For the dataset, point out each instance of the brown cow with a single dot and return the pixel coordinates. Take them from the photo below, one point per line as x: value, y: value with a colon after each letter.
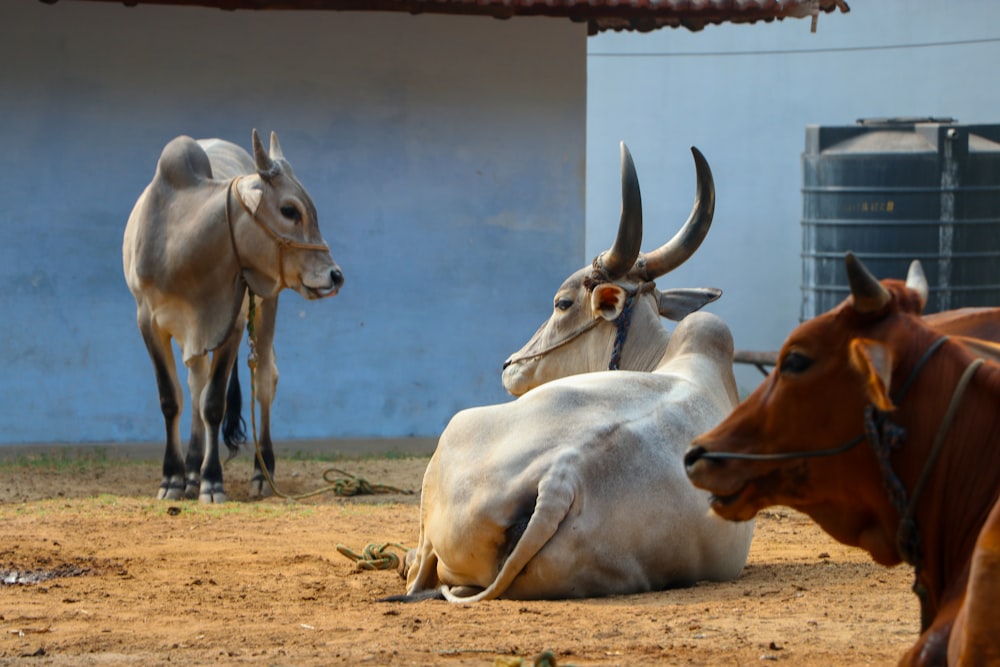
x: 924, y: 488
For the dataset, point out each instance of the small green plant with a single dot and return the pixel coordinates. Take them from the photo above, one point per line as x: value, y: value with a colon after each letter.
x: 68, y: 459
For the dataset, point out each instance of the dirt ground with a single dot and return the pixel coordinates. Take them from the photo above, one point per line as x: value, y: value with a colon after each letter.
x: 137, y: 581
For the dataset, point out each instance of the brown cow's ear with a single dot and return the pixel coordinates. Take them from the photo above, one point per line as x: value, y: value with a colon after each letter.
x: 607, y: 300
x: 874, y: 361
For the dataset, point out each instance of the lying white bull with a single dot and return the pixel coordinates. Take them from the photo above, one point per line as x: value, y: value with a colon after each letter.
x: 212, y: 222
x: 577, y: 488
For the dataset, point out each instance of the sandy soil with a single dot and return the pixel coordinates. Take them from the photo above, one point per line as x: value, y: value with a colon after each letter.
x: 142, y: 582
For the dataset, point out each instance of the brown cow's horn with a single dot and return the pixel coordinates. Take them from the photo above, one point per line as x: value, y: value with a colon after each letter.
x: 869, y: 294
x: 685, y: 242
x: 616, y: 261
x: 917, y: 281
x: 265, y: 165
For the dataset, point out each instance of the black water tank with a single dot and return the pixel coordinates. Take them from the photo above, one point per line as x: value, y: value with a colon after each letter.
x: 894, y: 190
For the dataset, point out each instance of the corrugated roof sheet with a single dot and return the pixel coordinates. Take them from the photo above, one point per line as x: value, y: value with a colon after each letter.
x: 600, y: 15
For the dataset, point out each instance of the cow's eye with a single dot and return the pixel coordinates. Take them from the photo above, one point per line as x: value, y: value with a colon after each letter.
x: 291, y: 213
x: 795, y: 362
x: 564, y: 304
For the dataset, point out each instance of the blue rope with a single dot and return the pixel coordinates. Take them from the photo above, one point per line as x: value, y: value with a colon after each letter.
x: 623, y: 321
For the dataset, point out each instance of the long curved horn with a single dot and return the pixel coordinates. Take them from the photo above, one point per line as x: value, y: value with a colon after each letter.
x: 616, y: 261
x: 869, y: 294
x: 686, y: 241
x: 917, y: 281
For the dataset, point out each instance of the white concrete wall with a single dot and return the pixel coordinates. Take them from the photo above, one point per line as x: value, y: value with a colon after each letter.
x: 445, y: 156
x: 744, y: 95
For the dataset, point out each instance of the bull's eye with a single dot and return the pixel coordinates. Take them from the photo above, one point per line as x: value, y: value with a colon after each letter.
x: 795, y: 362
x: 291, y: 213
x: 564, y: 304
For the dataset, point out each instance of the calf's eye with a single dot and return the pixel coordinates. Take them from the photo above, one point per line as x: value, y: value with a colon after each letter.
x: 291, y: 213
x: 564, y: 304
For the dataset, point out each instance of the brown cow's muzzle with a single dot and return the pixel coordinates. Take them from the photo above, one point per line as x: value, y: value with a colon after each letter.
x: 729, y: 486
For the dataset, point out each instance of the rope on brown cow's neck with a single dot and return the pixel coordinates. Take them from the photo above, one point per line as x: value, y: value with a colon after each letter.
x: 907, y: 534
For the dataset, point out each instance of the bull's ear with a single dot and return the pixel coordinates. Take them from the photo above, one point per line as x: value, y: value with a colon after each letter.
x: 676, y: 304
x: 250, y: 191
x: 607, y: 300
x: 874, y: 361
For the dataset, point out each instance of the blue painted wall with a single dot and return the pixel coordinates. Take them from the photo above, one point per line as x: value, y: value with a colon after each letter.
x: 744, y: 95
x: 445, y: 156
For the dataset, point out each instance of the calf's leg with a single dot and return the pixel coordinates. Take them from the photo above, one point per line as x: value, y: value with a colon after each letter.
x: 212, y: 405
x: 171, y: 403
x: 265, y: 386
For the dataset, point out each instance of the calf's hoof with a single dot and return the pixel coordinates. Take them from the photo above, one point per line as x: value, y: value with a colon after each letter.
x: 171, y: 488
x: 212, y: 493
x: 259, y: 488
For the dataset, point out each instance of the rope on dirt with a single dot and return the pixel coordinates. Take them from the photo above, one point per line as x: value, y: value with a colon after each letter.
x: 374, y: 556
x: 357, y: 486
x: 350, y: 486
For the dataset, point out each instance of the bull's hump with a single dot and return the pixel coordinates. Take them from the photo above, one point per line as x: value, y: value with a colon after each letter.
x: 183, y: 163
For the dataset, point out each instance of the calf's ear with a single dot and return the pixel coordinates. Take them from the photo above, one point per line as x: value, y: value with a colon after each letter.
x: 607, y: 300
x: 676, y: 304
x: 250, y: 191
x: 874, y: 361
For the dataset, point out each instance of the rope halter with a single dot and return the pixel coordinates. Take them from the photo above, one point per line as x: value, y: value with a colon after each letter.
x: 622, y: 323
x: 279, y: 239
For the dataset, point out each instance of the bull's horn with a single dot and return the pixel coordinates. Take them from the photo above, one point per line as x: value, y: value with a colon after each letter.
x: 265, y: 165
x: 276, y: 153
x: 685, y: 242
x: 616, y: 261
x: 917, y: 281
x: 869, y: 294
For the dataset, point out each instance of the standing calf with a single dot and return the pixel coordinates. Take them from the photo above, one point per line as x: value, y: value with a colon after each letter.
x: 212, y: 223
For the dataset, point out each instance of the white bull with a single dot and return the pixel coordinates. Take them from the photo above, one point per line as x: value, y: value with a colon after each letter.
x: 212, y: 222
x: 577, y: 488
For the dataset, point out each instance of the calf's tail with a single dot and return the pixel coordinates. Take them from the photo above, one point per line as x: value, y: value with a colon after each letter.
x: 556, y: 492
x: 233, y: 427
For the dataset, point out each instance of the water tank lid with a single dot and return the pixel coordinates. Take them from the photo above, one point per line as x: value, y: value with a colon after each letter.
x: 883, y: 142
x: 905, y: 120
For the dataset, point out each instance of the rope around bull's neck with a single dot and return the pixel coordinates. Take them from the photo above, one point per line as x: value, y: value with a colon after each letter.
x: 622, y: 323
